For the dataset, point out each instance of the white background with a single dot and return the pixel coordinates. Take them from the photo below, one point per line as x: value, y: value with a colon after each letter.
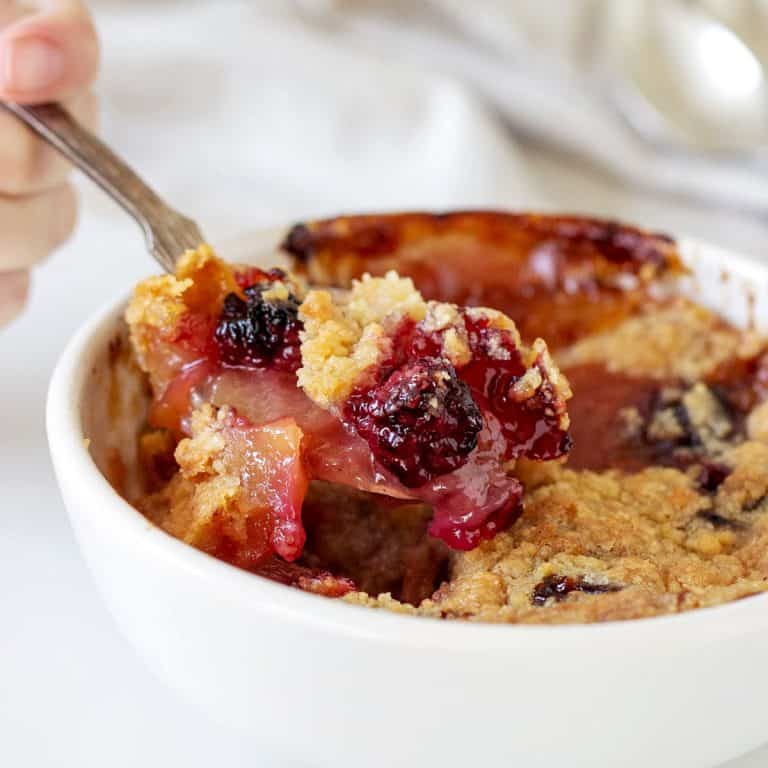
x: 231, y: 115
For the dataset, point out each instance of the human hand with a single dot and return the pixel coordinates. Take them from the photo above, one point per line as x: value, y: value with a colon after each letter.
x: 48, y: 52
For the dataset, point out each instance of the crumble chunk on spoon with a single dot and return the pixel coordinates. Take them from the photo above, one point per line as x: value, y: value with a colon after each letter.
x: 268, y: 386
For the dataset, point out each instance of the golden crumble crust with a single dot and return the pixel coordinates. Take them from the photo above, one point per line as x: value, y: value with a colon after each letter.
x: 652, y: 540
x: 212, y: 278
x: 447, y: 318
x: 200, y: 284
x: 204, y: 487
x: 335, y: 351
x: 160, y: 300
x: 682, y: 340
x: 157, y: 303
x: 346, y: 335
x: 757, y: 423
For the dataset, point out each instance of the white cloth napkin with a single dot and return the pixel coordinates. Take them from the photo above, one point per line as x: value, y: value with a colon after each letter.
x: 242, y: 115
x: 246, y: 113
x: 531, y: 62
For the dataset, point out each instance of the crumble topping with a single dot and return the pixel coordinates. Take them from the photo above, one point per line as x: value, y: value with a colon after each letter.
x: 757, y: 423
x: 376, y: 299
x: 278, y: 291
x: 445, y: 319
x: 661, y: 509
x: 630, y: 545
x: 347, y: 335
x: 681, y: 340
x: 335, y: 350
x: 204, y: 487
x: 494, y: 319
x: 157, y: 302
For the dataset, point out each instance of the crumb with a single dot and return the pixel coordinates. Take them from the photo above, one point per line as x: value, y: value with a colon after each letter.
x: 683, y: 340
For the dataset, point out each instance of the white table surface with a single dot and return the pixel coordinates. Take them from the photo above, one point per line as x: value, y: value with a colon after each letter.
x: 72, y: 692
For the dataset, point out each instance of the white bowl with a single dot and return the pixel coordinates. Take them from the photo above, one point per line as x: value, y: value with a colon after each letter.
x: 326, y: 683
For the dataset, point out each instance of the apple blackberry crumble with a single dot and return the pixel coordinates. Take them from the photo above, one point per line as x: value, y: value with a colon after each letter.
x: 383, y: 421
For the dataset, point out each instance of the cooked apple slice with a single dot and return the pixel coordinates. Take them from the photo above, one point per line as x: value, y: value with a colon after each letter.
x: 249, y: 485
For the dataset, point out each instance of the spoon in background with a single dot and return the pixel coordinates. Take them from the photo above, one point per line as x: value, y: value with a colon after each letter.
x: 684, y: 79
x: 168, y: 234
x: 670, y: 70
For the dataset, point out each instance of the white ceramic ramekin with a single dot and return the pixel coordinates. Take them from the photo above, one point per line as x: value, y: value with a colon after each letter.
x: 330, y: 684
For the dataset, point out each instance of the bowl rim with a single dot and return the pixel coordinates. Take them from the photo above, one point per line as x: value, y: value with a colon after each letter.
x: 72, y: 459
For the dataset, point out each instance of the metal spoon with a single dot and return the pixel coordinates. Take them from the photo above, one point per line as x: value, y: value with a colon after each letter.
x: 167, y: 233
x: 684, y: 79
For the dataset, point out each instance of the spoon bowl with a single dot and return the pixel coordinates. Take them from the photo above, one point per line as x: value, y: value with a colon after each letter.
x: 693, y: 81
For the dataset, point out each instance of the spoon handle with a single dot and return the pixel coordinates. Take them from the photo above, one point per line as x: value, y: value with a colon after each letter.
x: 167, y: 233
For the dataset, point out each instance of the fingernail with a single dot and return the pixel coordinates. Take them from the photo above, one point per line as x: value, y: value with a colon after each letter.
x: 31, y: 64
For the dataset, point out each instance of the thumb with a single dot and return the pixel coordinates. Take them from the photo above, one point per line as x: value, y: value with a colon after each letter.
x: 48, y: 56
